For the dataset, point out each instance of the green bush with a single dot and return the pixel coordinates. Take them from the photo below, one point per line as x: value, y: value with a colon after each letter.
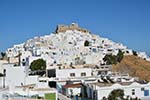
x: 134, y: 53
x: 112, y: 59
x: 120, y: 56
x: 86, y: 43
x: 117, y: 94
x: 38, y: 64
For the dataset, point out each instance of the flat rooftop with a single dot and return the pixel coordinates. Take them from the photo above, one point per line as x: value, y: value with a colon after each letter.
x: 103, y: 84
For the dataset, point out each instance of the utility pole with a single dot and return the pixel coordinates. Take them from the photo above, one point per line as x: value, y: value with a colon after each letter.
x: 95, y: 92
x: 4, y: 72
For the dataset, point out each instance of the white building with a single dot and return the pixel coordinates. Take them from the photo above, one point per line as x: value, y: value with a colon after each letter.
x: 142, y: 55
x: 69, y: 73
x: 18, y: 81
x: 97, y: 90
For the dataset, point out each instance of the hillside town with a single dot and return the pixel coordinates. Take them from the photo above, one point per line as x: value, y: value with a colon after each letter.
x: 76, y: 68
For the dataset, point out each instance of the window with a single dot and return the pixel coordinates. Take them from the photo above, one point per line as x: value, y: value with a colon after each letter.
x: 94, y: 50
x: 133, y: 91
x: 83, y: 74
x: 54, y: 53
x: 54, y: 62
x: 70, y: 42
x: 106, y: 67
x: 72, y: 74
x: 146, y: 92
x: 23, y: 60
x: 142, y: 89
x: 43, y: 81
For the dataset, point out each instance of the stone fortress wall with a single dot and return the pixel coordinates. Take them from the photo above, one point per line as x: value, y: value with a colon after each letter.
x: 73, y: 26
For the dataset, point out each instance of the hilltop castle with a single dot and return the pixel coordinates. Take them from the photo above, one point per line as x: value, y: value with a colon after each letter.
x: 73, y: 26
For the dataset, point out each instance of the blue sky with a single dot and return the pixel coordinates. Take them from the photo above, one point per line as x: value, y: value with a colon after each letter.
x: 125, y: 21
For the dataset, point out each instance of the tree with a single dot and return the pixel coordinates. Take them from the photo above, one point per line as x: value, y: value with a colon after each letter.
x: 134, y: 53
x: 3, y: 54
x: 120, y: 56
x: 86, y: 43
x: 117, y: 94
x: 104, y: 98
x: 110, y: 59
x: 103, y: 41
x: 38, y: 64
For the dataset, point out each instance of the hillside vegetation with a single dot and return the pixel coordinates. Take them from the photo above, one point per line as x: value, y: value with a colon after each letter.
x: 135, y: 66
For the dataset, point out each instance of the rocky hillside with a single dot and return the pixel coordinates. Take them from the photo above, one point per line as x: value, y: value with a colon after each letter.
x: 135, y: 66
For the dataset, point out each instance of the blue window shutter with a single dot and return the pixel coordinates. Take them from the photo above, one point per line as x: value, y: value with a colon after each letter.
x: 146, y: 92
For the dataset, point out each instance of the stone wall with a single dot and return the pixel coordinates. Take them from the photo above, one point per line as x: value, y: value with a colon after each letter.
x: 73, y: 26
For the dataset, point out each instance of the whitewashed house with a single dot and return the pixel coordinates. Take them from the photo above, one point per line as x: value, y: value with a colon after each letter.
x: 142, y: 55
x: 18, y: 81
x: 68, y: 73
x: 67, y: 81
x: 98, y: 90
